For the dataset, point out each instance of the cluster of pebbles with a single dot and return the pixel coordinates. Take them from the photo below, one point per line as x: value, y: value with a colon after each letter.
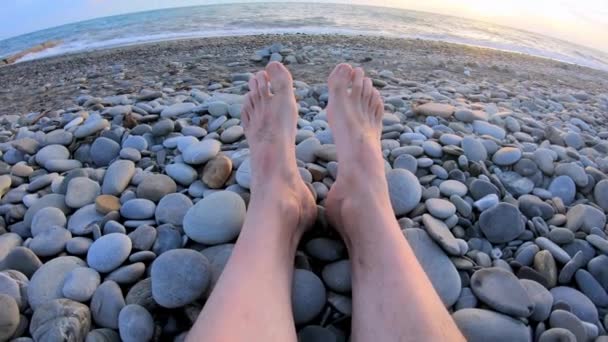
x: 119, y: 213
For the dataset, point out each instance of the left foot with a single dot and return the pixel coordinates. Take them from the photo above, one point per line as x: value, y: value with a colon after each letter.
x: 270, y: 120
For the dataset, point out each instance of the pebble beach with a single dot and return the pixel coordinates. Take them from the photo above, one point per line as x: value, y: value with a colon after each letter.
x: 124, y: 182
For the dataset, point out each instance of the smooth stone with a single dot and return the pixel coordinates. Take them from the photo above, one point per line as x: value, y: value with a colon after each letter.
x: 50, y: 200
x: 585, y: 217
x: 544, y: 264
x: 243, y: 173
x: 9, y: 317
x: 557, y: 252
x: 516, y: 184
x: 436, y: 264
x: 570, y: 268
x: 21, y: 259
x: 155, y: 186
x: 561, y: 236
x: 109, y: 252
x: 325, y: 249
x: 46, y: 218
x: 201, y: 152
x: 106, y: 303
x: 60, y: 320
x: 181, y: 173
x: 232, y: 134
x: 80, y: 222
x: 485, y: 128
x: 540, y: 297
x: 177, y: 110
x: 136, y: 142
x: 217, y: 108
x: 215, y: 219
x: 50, y: 242
x: 103, y: 151
x: 305, y: 151
x: 407, y: 162
x: 574, y: 171
x: 567, y: 320
x: 501, y: 223
x: 141, y: 294
x: 168, y: 238
x: 557, y: 335
x: 105, y: 204
x: 404, y: 190
x: 81, y: 191
x: 598, y: 267
x: 143, y: 237
x: 600, y: 193
x: 506, y: 156
x: 478, y: 325
x: 80, y: 284
x: 217, y: 171
x: 337, y: 276
x: 441, y: 234
x: 102, y: 335
x: 435, y: 109
x: 179, y: 277
x: 544, y: 159
x: 440, y: 208
x: 591, y: 288
x: 308, y: 296
x: 453, y: 187
x: 138, y: 209
x: 315, y: 333
x: 502, y: 291
x: 117, y: 177
x: 47, y: 282
x: 172, y: 209
x: 474, y: 149
x: 51, y: 152
x: 127, y: 274
x: 564, y: 188
x: 532, y: 206
x: 163, y: 127
x: 218, y: 258
x: 580, y: 304
x: 78, y: 245
x: 135, y: 324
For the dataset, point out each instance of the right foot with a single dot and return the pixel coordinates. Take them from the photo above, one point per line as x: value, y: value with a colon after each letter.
x: 355, y: 118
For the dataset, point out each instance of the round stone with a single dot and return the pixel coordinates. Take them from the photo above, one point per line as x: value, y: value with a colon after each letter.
x: 506, y: 156
x: 80, y: 223
x: 117, y: 177
x: 404, y: 191
x: 453, y: 187
x: 81, y: 191
x: 155, y: 186
x: 308, y: 296
x: 108, y: 252
x: 80, y: 284
x: 601, y: 194
x: 60, y: 320
x: 47, y: 282
x: 585, y: 217
x: 179, y: 277
x: 557, y: 334
x: 51, y: 152
x: 217, y: 171
x: 479, y: 325
x: 107, y: 203
x: 337, y: 276
x: 103, y: 151
x: 50, y: 200
x: 201, y: 152
x: 46, y: 218
x: 106, y: 304
x: 218, y: 108
x: 315, y: 333
x: 181, y: 173
x: 564, y: 188
x: 501, y: 223
x: 135, y: 324
x: 502, y: 291
x: 135, y: 141
x: 138, y: 209
x: 215, y: 219
x: 78, y: 245
x: 441, y: 271
x: 172, y: 209
x: 163, y: 127
x: 580, y: 304
x: 440, y: 208
x: 22, y: 259
x: 9, y: 317
x: 50, y: 242
x: 232, y: 134
x: 325, y: 249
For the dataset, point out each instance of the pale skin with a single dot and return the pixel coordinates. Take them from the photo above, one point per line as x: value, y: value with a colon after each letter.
x: 393, y: 299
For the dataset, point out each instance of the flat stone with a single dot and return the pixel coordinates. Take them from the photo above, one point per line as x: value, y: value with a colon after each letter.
x: 179, y: 277
x: 215, y: 219
x: 580, y: 304
x: 479, y: 325
x: 502, y: 291
x: 232, y: 134
x: 435, y: 109
x: 135, y: 324
x: 155, y: 186
x: 558, y: 253
x: 474, y: 149
x: 540, y: 297
x: 177, y: 110
x: 501, y: 223
x: 585, y: 217
x: 453, y: 187
x: 60, y: 320
x: 172, y: 209
x: 102, y: 335
x: 103, y: 151
x: 201, y: 152
x: 404, y: 191
x: 308, y: 296
x: 436, y: 264
x: 544, y: 263
x: 506, y: 156
x: 106, y: 304
x: 440, y: 208
x: 80, y: 222
x: 485, y: 128
x: 108, y: 252
x: 325, y: 249
x: 441, y: 234
x: 47, y: 282
x: 127, y: 274
x: 138, y: 209
x: 564, y: 188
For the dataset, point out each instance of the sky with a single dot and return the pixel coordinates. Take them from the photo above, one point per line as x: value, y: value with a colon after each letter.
x: 580, y: 21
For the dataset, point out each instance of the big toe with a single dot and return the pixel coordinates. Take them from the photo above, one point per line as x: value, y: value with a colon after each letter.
x: 340, y: 78
x: 280, y: 78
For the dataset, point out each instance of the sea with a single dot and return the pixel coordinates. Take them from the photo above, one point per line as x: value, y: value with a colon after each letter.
x: 308, y: 18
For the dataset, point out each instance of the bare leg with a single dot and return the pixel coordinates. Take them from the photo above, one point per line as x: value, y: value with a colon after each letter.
x: 393, y: 300
x: 252, y: 299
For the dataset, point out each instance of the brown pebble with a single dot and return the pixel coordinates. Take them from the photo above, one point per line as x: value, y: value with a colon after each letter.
x: 217, y: 171
x: 107, y: 203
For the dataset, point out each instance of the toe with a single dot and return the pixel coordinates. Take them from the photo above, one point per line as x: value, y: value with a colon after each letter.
x: 254, y: 91
x: 340, y: 79
x: 247, y: 110
x: 280, y: 78
x: 368, y: 91
x: 378, y: 106
x: 262, y: 80
x: 358, y: 76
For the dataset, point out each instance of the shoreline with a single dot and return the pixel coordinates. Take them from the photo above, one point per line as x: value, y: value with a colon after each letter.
x: 53, y: 78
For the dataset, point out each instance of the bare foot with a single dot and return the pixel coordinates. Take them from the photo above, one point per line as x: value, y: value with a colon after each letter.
x: 355, y: 117
x: 269, y: 119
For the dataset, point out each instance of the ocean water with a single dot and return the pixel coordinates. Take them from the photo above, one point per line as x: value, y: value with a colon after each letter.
x: 262, y: 18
